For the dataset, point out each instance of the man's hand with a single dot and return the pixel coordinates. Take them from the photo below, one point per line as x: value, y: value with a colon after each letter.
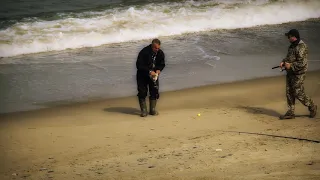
x: 287, y: 65
x: 281, y: 64
x: 152, y: 73
x: 158, y: 72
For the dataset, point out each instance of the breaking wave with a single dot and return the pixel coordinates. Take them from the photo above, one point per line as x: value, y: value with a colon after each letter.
x: 131, y: 23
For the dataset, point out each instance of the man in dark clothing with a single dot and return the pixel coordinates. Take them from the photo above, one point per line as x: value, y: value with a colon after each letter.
x: 150, y: 62
x: 296, y: 65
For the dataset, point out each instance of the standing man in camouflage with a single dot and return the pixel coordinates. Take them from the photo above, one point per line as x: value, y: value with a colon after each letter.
x: 296, y: 65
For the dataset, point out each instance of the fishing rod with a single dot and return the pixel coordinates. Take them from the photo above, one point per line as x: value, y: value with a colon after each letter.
x: 275, y: 67
x: 278, y: 67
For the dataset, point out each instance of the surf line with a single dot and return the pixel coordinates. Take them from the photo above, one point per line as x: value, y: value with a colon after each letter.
x: 271, y: 135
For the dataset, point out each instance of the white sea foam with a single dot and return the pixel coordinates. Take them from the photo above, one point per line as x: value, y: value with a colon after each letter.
x: 149, y: 21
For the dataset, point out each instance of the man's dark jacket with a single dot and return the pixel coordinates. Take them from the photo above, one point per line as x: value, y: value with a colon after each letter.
x: 144, y: 60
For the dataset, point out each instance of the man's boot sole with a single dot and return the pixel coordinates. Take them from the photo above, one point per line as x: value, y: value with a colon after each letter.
x: 286, y: 117
x: 143, y: 115
x: 154, y: 114
x: 315, y: 112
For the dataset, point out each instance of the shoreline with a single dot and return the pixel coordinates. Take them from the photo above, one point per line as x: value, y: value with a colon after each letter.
x: 93, y: 101
x: 109, y: 140
x: 41, y: 81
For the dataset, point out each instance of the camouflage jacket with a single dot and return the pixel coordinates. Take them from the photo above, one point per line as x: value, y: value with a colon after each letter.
x: 297, y: 57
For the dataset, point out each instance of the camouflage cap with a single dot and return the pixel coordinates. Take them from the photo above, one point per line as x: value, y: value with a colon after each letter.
x: 293, y: 32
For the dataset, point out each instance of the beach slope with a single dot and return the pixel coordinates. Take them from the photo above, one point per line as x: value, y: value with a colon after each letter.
x: 108, y: 140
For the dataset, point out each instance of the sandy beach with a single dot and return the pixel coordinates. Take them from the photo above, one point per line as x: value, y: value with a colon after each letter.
x: 69, y: 108
x: 108, y: 140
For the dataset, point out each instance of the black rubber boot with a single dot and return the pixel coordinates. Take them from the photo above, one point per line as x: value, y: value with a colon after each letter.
x: 313, y: 111
x: 143, y: 107
x: 153, y: 104
x: 288, y: 115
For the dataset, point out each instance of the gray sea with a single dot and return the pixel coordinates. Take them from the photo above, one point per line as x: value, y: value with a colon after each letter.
x: 56, y: 52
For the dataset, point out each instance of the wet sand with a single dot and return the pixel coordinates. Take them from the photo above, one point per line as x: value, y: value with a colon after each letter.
x: 107, y: 139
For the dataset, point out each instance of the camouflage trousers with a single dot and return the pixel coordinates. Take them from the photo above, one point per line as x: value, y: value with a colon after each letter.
x: 295, y: 90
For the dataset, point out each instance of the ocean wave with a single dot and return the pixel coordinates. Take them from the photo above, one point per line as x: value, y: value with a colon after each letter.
x: 89, y: 29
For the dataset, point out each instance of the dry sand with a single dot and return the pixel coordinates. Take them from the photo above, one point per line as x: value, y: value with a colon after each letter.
x: 108, y: 139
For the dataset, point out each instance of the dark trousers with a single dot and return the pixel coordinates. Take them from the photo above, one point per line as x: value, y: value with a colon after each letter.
x: 144, y: 82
